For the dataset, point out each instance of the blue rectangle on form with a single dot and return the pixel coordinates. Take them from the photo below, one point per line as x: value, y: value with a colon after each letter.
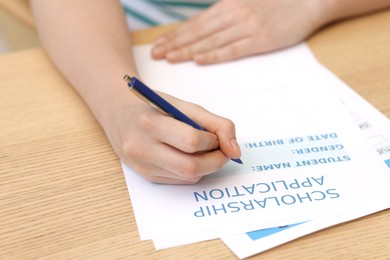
x: 254, y: 235
x: 387, y: 162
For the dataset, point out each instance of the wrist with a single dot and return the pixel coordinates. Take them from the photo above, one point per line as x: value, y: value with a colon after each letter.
x: 334, y: 10
x: 107, y: 96
x: 322, y: 12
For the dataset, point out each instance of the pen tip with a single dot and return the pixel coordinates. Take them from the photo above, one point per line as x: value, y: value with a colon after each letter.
x: 238, y: 161
x: 127, y: 78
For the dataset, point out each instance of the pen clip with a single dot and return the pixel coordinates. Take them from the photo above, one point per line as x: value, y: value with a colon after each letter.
x: 130, y: 84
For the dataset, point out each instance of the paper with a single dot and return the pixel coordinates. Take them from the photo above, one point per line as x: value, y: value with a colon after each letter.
x: 303, y: 156
x: 375, y: 127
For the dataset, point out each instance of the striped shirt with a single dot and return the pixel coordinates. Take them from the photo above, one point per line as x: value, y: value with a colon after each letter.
x: 141, y: 14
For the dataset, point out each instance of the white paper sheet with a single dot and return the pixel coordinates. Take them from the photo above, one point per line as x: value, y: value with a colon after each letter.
x: 375, y: 127
x: 303, y: 156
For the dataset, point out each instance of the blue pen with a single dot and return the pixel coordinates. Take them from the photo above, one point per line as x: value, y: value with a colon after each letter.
x: 156, y: 101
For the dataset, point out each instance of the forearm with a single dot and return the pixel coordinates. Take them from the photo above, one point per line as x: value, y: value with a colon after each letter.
x: 90, y: 44
x: 340, y: 9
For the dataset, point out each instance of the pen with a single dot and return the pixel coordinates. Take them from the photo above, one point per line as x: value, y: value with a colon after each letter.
x: 156, y: 101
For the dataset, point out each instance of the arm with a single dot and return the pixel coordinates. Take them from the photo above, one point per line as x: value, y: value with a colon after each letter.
x: 233, y: 29
x: 90, y: 44
x: 336, y: 10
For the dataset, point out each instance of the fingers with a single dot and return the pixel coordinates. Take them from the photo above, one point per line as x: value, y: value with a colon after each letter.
x: 185, y: 35
x: 165, y: 164
x: 182, y: 136
x: 225, y: 38
x: 190, y: 166
x: 229, y: 52
x: 223, y: 128
x: 221, y: 43
x: 220, y: 134
x: 208, y: 23
x: 156, y: 174
x: 164, y: 150
x: 233, y: 29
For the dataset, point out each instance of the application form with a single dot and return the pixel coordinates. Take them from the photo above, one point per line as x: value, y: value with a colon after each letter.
x: 304, y: 158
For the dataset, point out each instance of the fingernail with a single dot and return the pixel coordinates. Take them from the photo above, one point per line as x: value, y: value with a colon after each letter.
x: 158, y: 51
x: 236, y: 147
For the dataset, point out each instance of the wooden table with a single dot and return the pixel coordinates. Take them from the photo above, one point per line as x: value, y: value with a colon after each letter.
x: 20, y: 9
x: 62, y: 190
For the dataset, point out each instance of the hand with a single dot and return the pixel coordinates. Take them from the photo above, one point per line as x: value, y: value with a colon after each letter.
x: 233, y: 29
x: 165, y: 150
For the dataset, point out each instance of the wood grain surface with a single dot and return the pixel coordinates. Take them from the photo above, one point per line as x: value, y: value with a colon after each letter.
x: 62, y: 190
x: 20, y: 9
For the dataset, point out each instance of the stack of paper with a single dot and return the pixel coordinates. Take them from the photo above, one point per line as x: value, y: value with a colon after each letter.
x: 306, y: 166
